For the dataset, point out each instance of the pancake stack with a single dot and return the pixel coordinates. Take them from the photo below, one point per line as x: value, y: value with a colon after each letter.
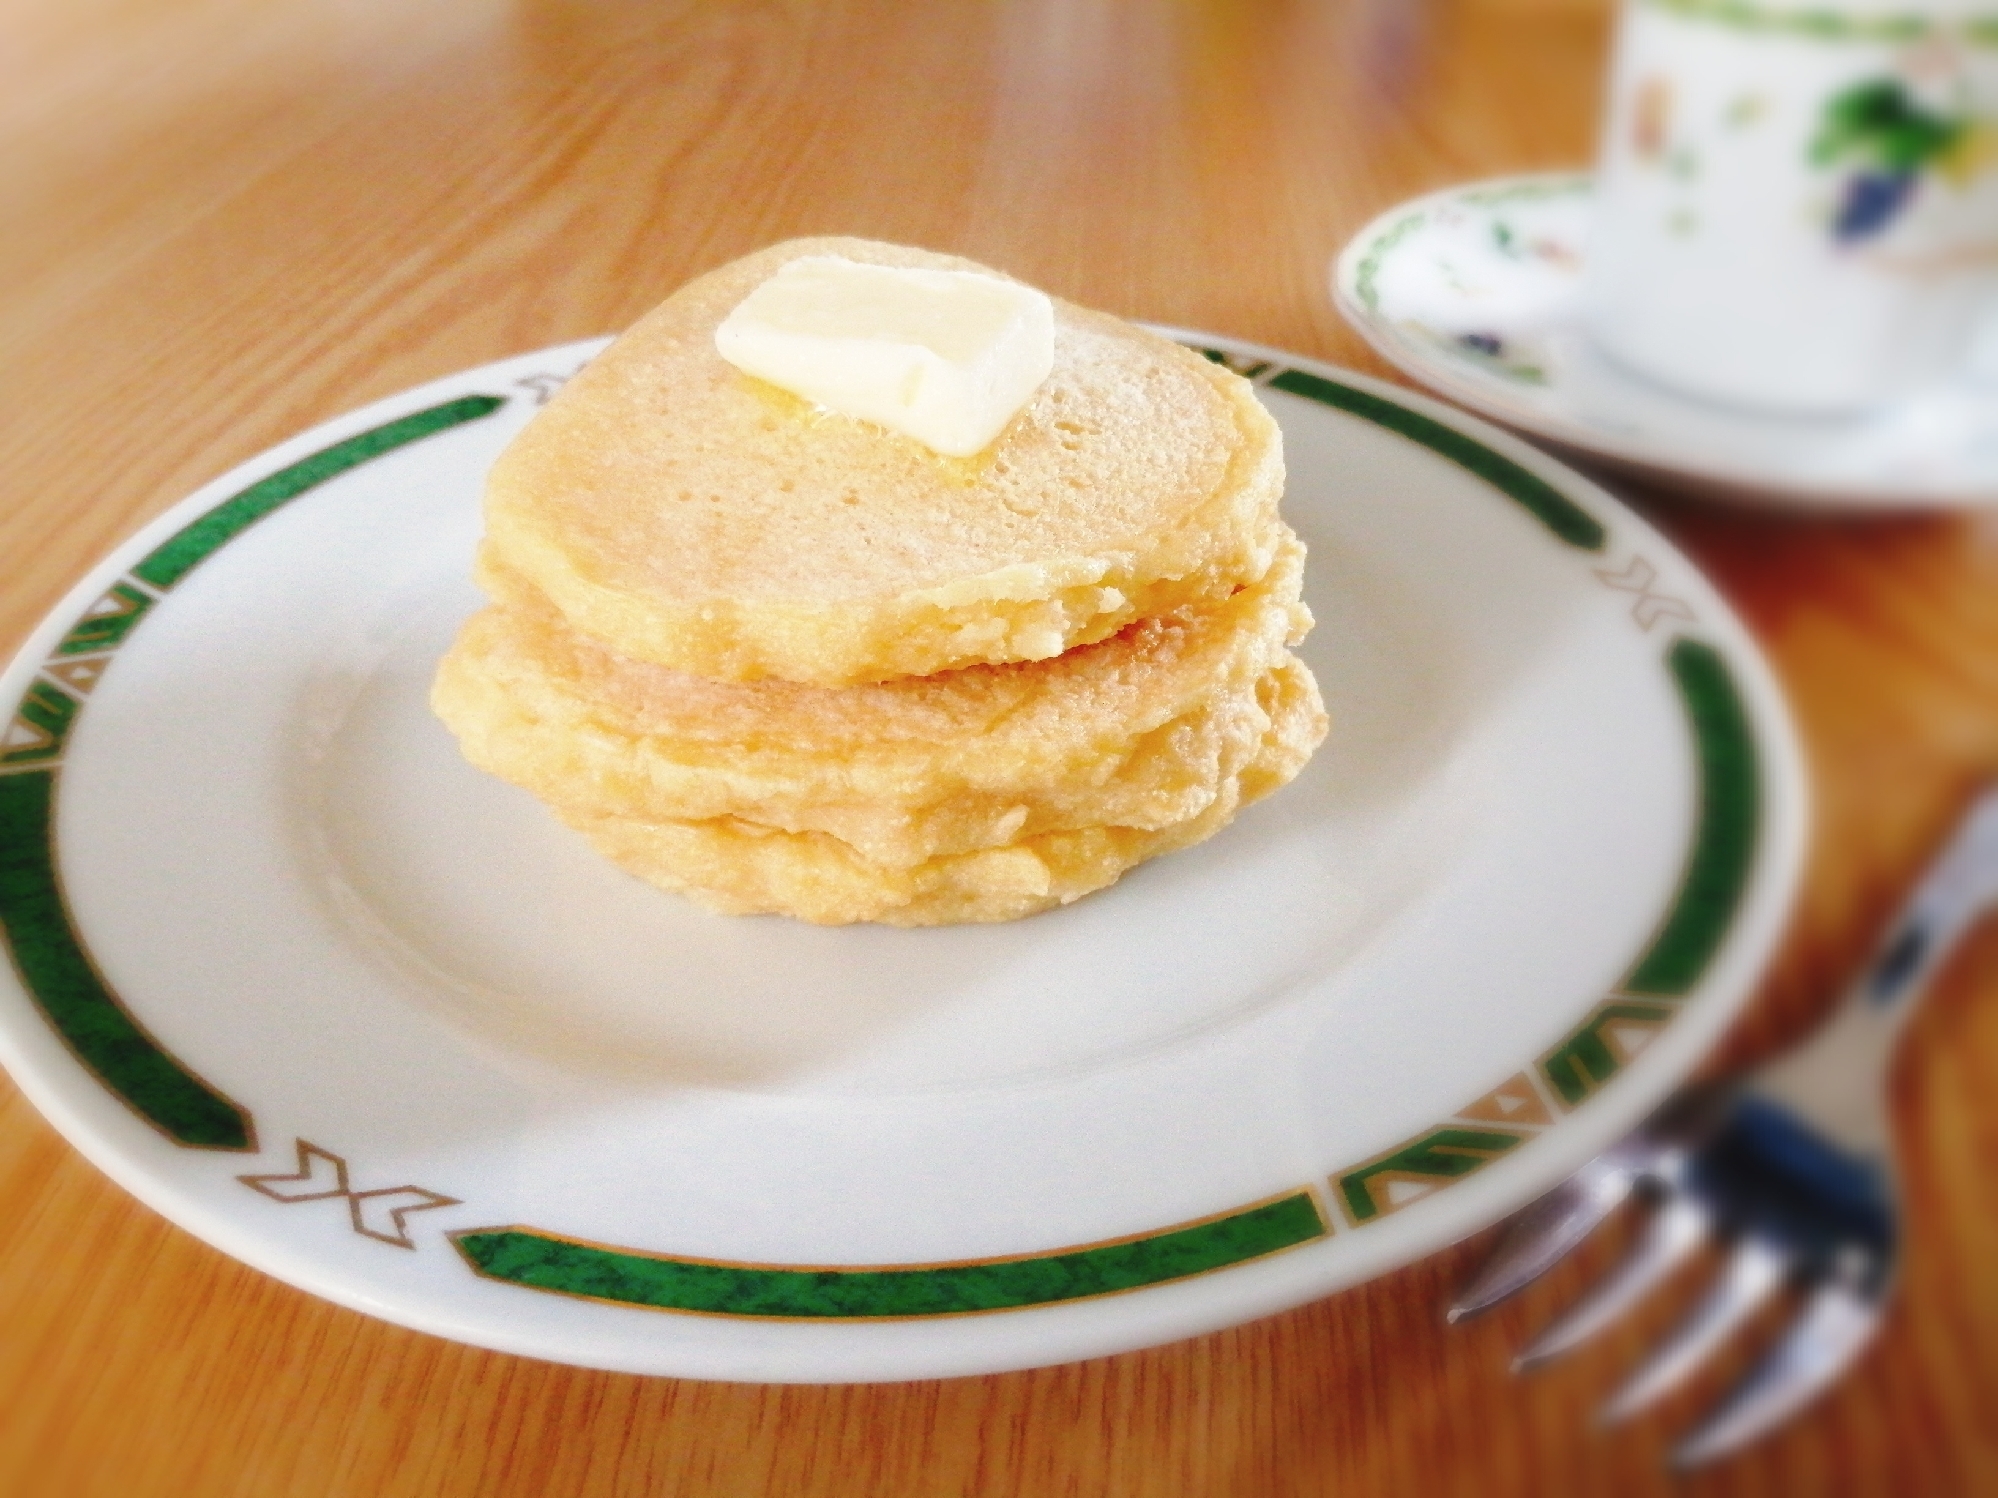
x: 784, y: 661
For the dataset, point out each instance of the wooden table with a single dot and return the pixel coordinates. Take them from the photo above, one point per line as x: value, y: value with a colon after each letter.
x: 222, y: 220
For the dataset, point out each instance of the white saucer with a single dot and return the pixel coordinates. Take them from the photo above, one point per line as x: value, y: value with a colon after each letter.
x: 1475, y: 291
x: 298, y: 977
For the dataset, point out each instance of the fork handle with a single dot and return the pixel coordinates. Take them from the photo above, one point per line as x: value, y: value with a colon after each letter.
x: 1837, y: 1075
x: 1959, y: 887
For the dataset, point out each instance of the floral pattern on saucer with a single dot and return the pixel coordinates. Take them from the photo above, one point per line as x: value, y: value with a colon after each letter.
x: 1440, y: 266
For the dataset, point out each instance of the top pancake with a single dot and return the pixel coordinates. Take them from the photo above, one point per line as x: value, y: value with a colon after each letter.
x: 688, y: 514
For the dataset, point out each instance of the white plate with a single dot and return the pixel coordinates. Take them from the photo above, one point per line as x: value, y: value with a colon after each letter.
x: 1476, y: 292
x: 373, y: 1022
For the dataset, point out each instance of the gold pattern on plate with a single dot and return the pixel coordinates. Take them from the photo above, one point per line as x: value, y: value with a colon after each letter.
x: 322, y: 1176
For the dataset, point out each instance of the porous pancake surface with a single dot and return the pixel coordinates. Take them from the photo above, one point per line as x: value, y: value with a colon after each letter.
x: 1139, y: 731
x: 742, y: 868
x: 688, y: 514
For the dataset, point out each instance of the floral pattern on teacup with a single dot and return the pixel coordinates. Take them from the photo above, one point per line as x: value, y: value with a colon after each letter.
x: 1908, y: 142
x: 1886, y: 138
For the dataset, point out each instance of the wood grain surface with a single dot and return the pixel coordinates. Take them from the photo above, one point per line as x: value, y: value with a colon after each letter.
x: 224, y: 220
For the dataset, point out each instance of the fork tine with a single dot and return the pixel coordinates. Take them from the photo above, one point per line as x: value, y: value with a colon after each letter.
x: 1754, y: 1272
x: 1544, y: 1233
x: 1677, y: 1228
x: 1836, y: 1324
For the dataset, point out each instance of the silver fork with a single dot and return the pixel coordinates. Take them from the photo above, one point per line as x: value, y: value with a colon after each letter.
x: 1790, y: 1164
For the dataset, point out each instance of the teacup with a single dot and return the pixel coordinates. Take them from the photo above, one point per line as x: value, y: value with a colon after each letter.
x: 1797, y: 200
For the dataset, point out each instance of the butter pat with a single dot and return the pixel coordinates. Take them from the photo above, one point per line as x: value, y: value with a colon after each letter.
x: 946, y: 357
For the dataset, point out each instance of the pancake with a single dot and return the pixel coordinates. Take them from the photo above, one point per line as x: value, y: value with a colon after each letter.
x: 1140, y: 731
x: 686, y: 514
x: 740, y: 868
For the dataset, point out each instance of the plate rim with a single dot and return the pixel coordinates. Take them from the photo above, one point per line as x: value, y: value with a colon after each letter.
x: 1776, y: 864
x: 1742, y: 482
